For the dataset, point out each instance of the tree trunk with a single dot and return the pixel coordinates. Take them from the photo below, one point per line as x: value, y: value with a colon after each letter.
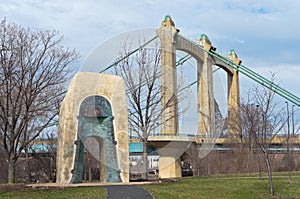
x: 208, y: 164
x: 28, y: 171
x: 90, y: 173
x: 11, y: 171
x: 259, y: 166
x: 269, y: 174
x: 145, y: 162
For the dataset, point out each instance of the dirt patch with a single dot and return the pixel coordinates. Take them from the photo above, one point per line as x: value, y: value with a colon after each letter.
x: 7, y: 187
x: 21, y: 186
x: 161, y: 181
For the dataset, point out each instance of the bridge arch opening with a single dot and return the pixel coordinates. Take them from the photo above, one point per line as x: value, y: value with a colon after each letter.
x: 188, y: 119
x: 187, y: 94
x: 92, y: 159
x: 221, y: 100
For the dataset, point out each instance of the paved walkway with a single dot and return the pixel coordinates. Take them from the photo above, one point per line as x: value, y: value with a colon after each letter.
x: 131, y: 190
x: 127, y: 192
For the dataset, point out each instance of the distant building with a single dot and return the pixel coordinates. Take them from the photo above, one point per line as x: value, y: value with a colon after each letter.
x: 136, y: 161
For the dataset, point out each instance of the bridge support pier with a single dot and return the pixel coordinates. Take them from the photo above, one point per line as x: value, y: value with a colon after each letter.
x: 169, y: 167
x: 170, y: 149
x: 170, y: 158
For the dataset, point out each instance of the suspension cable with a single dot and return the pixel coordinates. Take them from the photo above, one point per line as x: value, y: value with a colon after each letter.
x: 129, y: 54
x: 251, y: 74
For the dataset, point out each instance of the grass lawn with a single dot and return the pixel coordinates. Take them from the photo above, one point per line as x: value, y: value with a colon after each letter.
x: 55, y: 193
x: 226, y: 187
x: 214, y: 187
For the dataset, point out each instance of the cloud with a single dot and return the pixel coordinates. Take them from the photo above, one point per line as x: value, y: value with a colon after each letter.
x: 265, y: 35
x: 286, y: 76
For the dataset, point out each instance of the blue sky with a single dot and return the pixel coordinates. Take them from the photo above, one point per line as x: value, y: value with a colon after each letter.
x: 265, y: 34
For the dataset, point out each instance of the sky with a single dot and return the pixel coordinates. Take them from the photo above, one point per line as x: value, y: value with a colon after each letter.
x: 264, y: 33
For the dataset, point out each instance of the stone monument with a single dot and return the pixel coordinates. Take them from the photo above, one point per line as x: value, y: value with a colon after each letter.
x: 94, y: 106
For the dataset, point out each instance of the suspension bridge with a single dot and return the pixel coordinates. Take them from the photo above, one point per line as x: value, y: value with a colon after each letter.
x: 169, y: 143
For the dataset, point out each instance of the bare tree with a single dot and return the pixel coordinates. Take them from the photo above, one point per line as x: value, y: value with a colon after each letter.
x: 43, y: 160
x: 288, y: 143
x: 141, y: 73
x: 191, y: 155
x: 34, y: 68
x: 263, y: 119
x: 290, y: 138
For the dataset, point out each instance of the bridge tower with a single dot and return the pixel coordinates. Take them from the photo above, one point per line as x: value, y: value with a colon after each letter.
x: 234, y: 112
x: 205, y: 91
x: 169, y: 102
x: 170, y: 42
x: 169, y: 162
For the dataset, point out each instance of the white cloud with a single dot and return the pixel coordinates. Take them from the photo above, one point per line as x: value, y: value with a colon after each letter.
x: 262, y: 33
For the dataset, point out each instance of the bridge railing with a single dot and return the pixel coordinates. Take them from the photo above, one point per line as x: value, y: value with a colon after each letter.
x: 279, y: 140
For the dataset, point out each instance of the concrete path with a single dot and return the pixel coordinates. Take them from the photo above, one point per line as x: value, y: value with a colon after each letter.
x: 127, y: 192
x: 131, y: 190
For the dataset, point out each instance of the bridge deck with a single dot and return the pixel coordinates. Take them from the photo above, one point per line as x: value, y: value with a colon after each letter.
x: 277, y: 140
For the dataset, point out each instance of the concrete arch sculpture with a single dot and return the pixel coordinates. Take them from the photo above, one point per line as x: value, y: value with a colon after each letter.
x: 94, y: 106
